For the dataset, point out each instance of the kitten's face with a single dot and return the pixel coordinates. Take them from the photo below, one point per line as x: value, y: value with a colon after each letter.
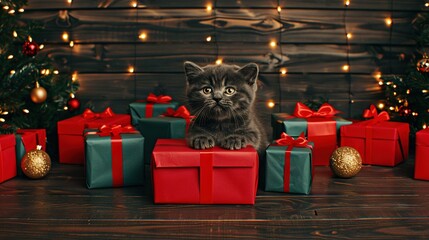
x: 220, y: 91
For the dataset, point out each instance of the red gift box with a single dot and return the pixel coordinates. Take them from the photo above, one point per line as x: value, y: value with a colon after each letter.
x: 378, y: 141
x: 421, y: 167
x: 7, y: 157
x: 40, y: 136
x: 71, y: 132
x: 214, y: 176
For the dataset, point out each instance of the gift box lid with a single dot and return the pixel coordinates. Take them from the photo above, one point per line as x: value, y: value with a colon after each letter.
x: 422, y: 137
x: 387, y: 130
x: 295, y: 126
x: 75, y: 125
x: 176, y: 153
x: 7, y: 141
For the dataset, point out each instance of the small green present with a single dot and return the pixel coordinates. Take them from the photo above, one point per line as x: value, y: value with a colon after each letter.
x: 153, y: 106
x: 289, y: 165
x: 172, y: 124
x: 114, y: 157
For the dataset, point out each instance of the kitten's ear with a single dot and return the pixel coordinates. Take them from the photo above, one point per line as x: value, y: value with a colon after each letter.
x: 192, y: 69
x: 250, y: 72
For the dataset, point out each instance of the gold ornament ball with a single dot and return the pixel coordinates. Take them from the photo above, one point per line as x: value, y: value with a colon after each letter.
x: 345, y: 162
x: 38, y: 94
x: 36, y: 164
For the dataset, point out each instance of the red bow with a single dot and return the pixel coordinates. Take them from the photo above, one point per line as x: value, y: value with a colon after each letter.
x: 372, y: 113
x: 115, y: 130
x: 286, y: 140
x: 152, y: 98
x: 181, y: 112
x: 326, y: 110
x: 88, y: 114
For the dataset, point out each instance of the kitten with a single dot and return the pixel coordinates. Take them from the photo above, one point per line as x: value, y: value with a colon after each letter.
x: 221, y: 97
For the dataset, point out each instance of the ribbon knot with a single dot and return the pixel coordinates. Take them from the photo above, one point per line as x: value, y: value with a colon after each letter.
x: 286, y: 140
x: 89, y: 114
x: 115, y: 130
x: 152, y: 98
x: 303, y: 111
x: 372, y: 113
x: 181, y: 112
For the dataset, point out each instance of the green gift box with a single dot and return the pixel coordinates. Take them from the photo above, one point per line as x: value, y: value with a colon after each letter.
x: 292, y: 173
x: 324, y: 132
x: 25, y: 142
x: 140, y: 110
x: 114, y: 161
x: 160, y: 127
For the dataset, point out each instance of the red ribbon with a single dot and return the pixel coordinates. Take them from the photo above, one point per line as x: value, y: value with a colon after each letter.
x: 286, y: 140
x: 326, y: 110
x: 181, y: 112
x: 206, y: 177
x: 89, y: 114
x: 376, y: 117
x: 116, y: 148
x: 152, y: 98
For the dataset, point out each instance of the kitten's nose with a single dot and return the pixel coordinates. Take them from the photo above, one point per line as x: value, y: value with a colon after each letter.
x: 217, y: 97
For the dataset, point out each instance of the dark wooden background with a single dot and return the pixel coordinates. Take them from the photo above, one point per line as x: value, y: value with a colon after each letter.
x: 311, y: 36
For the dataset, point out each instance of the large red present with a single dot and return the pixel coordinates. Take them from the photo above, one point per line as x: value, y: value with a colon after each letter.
x: 421, y: 167
x: 7, y: 157
x: 71, y: 132
x: 212, y: 176
x: 378, y: 141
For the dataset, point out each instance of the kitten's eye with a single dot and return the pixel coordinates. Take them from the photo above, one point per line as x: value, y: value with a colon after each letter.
x: 207, y: 90
x: 229, y: 91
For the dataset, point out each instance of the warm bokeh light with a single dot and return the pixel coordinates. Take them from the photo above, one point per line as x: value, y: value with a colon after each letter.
x: 72, y: 95
x: 273, y: 44
x: 424, y: 126
x: 346, y: 67
x: 12, y: 72
x: 69, y: 1
x: 380, y: 83
x: 283, y: 71
x: 279, y: 9
x: 143, y: 36
x: 380, y: 105
x: 209, y: 38
x: 26, y: 110
x: 74, y: 76
x: 219, y: 61
x: 271, y: 104
x: 347, y: 2
x: 130, y: 69
x: 349, y: 35
x: 388, y: 21
x: 65, y: 36
x: 71, y: 44
x: 21, y: 10
x: 41, y: 46
x: 209, y: 8
x: 134, y: 4
x: 10, y: 57
x: 15, y: 34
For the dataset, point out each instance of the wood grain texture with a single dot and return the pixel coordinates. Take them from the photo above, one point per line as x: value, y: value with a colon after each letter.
x: 380, y: 202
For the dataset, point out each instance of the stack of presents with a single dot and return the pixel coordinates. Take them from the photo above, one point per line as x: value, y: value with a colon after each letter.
x: 116, y: 148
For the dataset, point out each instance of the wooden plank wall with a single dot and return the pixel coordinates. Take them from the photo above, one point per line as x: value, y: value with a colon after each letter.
x: 310, y: 35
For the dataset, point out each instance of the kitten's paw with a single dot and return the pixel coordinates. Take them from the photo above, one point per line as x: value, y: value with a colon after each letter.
x: 201, y: 142
x: 234, y: 142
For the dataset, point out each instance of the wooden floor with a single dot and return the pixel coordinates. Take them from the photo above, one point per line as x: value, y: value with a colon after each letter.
x: 379, y: 203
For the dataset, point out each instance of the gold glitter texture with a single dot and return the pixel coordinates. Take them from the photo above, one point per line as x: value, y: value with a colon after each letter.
x: 345, y: 162
x: 36, y: 164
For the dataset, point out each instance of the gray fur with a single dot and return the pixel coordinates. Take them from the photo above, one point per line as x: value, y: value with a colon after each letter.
x: 222, y: 119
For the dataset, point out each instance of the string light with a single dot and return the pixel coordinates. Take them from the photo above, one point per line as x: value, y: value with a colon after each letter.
x: 2, y: 120
x: 377, y: 75
x: 349, y: 35
x: 388, y: 21
x: 380, y: 83
x: 12, y: 72
x: 72, y: 95
x: 424, y: 125
x: 15, y: 34
x: 283, y: 71
x: 10, y: 57
x: 426, y: 4
x: 26, y: 110
x: 69, y: 1
x: 209, y: 8
x: 279, y: 9
x: 273, y: 44
x: 209, y: 38
x: 424, y: 91
x: 71, y: 44
x: 219, y: 61
x: 21, y: 10
x: 65, y: 108
x: 391, y: 108
x: 56, y: 72
x: 347, y: 3
x: 346, y: 67
x: 30, y: 39
x: 41, y: 46
x: 11, y: 11
x: 74, y: 76
x: 134, y: 4
x: 5, y: 113
x: 408, y: 91
x: 143, y: 36
x: 130, y: 69
x: 65, y: 36
x: 381, y: 106
x: 271, y: 104
x: 6, y: 7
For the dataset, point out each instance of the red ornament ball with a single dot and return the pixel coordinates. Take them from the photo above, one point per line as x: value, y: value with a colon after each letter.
x: 30, y: 48
x: 73, y: 104
x: 423, y: 65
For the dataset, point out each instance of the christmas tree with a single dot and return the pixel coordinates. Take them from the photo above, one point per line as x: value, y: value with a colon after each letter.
x: 407, y: 95
x: 34, y: 94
